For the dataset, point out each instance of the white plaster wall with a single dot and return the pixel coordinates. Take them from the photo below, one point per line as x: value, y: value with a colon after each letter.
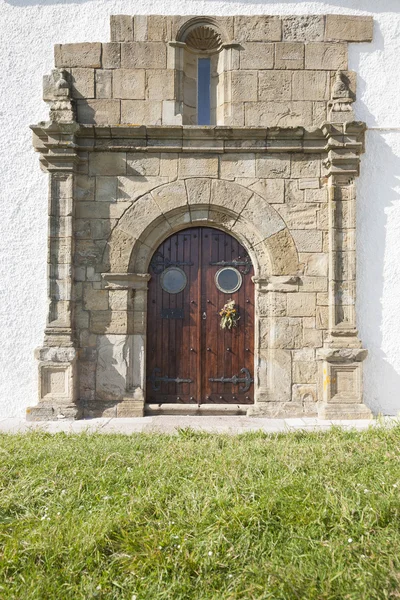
x: 28, y: 31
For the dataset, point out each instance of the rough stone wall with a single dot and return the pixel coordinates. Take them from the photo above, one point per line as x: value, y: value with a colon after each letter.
x: 109, y: 183
x: 276, y: 70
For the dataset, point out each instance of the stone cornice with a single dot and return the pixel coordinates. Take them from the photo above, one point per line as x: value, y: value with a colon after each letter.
x: 59, y: 142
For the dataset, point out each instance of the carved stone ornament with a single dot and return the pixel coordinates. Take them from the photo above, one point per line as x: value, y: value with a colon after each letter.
x: 57, y: 93
x: 340, y: 106
x: 203, y: 38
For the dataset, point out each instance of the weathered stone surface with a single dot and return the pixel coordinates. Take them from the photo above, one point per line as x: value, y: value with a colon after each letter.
x: 82, y: 83
x: 103, y: 84
x: 260, y: 212
x: 311, y: 85
x: 284, y: 114
x: 170, y: 196
x: 144, y: 55
x: 198, y: 191
x: 307, y: 28
x: 121, y: 28
x: 298, y: 215
x: 293, y: 194
x: 306, y: 165
x: 139, y: 216
x: 237, y: 165
x: 78, y: 55
x: 111, y: 56
x: 273, y: 165
x: 273, y: 190
x: 329, y: 56
x: 258, y: 29
x: 301, y: 305
x: 305, y: 371
x: 286, y: 332
x: 282, y: 254
x: 306, y: 394
x: 143, y: 164
x: 160, y: 84
x: 198, y: 165
x: 289, y: 55
x: 315, y: 264
x: 106, y: 189
x: 107, y: 163
x: 307, y: 240
x: 256, y: 55
x: 130, y: 188
x: 99, y: 112
x: 112, y: 365
x: 159, y: 28
x: 229, y: 196
x: 349, y: 28
x: 275, y: 85
x: 129, y: 84
x: 94, y: 299
x: 141, y: 112
x: 244, y: 86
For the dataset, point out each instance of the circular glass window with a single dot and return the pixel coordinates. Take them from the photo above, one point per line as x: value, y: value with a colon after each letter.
x: 228, y: 280
x: 173, y: 280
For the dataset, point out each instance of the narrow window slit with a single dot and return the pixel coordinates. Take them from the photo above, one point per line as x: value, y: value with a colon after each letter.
x: 204, y: 91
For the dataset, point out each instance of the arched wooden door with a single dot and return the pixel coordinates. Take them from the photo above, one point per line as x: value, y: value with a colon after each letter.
x: 190, y: 358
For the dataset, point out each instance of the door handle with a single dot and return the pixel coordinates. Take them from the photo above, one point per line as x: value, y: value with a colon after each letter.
x: 204, y: 316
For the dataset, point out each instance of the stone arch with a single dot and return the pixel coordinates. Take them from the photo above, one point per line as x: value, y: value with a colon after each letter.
x: 203, y: 201
x: 209, y: 26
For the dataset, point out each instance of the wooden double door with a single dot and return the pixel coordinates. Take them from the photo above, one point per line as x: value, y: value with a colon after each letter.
x: 190, y: 358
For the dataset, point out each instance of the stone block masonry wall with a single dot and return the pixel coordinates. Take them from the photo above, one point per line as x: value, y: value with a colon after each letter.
x: 276, y: 171
x: 273, y: 70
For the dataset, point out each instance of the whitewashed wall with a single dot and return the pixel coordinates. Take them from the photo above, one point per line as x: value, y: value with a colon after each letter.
x: 28, y: 31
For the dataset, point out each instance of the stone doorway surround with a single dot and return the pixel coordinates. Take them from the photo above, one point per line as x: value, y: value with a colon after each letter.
x: 277, y: 172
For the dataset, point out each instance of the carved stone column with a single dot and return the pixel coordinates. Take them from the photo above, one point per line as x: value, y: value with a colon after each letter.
x: 55, y: 141
x: 340, y: 368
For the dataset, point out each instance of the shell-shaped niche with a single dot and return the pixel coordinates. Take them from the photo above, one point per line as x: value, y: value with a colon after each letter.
x: 203, y: 38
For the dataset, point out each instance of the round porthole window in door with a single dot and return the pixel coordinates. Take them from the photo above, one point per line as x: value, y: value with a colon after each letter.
x: 173, y: 280
x: 228, y: 280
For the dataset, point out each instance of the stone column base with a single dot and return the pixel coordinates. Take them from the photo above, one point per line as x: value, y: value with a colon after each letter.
x: 57, y: 385
x: 343, y: 411
x: 52, y: 412
x: 341, y: 384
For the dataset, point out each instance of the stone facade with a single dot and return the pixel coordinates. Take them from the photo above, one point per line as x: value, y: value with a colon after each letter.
x: 277, y: 170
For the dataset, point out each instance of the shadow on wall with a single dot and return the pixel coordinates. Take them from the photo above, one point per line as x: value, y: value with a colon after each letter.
x: 377, y: 301
x: 372, y: 6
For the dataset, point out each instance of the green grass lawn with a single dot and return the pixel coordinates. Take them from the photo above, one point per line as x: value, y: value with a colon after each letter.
x: 199, y: 516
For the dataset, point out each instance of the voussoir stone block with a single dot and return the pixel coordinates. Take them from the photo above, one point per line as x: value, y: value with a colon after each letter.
x: 349, y: 28
x: 229, y: 196
x: 78, y: 55
x: 305, y: 28
x: 258, y: 29
x: 198, y: 190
